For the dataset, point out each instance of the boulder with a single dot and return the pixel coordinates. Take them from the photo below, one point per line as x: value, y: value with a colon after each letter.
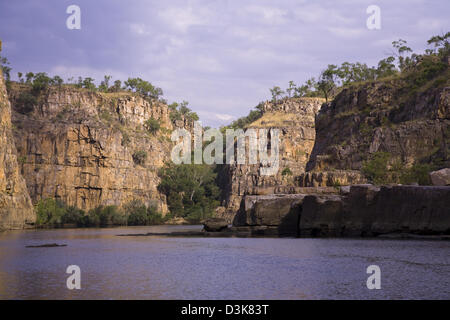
x: 215, y: 224
x: 441, y: 177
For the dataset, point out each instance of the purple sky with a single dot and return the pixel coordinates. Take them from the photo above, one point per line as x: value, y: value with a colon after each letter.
x: 221, y: 56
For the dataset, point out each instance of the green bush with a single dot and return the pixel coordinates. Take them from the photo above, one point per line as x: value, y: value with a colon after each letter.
x: 286, y: 172
x: 419, y: 173
x: 152, y: 125
x: 25, y: 103
x: 376, y: 169
x: 105, y: 216
x: 139, y: 157
x: 189, y: 187
x: 140, y: 215
x: 73, y: 215
x: 49, y: 212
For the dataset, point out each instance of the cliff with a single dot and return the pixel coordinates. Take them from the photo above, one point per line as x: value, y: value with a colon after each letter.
x: 89, y: 148
x: 295, y: 118
x: 412, y: 126
x: 16, y: 210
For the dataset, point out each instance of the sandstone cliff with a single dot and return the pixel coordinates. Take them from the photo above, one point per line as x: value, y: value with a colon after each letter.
x: 16, y: 210
x: 90, y: 148
x: 412, y: 126
x: 295, y: 118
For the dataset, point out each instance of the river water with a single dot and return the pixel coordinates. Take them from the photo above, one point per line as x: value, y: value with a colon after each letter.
x: 156, y: 267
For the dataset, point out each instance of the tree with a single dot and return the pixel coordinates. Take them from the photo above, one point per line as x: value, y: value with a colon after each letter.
x: 4, y: 64
x: 386, y: 67
x: 104, y: 85
x: 88, y: 83
x: 57, y: 80
x: 29, y: 77
x: 440, y: 43
x: 327, y: 82
x: 41, y: 81
x: 276, y: 93
x: 191, y: 189
x: 291, y: 88
x: 402, y: 49
x: 116, y: 87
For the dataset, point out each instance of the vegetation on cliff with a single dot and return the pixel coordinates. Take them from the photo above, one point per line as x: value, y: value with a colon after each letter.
x: 417, y: 69
x: 191, y: 190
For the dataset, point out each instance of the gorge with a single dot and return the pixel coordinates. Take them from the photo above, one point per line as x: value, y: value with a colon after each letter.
x: 88, y: 148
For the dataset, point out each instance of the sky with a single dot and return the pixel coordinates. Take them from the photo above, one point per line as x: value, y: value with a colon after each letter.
x: 220, y: 55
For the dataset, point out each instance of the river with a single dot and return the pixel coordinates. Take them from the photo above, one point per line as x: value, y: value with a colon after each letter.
x: 156, y: 267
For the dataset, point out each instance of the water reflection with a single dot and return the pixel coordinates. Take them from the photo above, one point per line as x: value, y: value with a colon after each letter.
x: 115, y: 267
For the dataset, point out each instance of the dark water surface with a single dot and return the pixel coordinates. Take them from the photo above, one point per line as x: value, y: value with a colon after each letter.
x: 115, y: 267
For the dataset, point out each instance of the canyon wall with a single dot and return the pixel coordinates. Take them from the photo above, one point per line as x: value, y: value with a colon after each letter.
x: 411, y: 125
x: 90, y: 148
x: 16, y: 210
x: 295, y: 119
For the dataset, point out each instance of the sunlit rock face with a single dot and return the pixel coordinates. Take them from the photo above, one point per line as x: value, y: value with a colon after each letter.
x: 83, y: 147
x: 16, y: 210
x: 295, y: 120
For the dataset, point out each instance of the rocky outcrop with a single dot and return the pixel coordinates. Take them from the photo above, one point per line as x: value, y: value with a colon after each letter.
x: 215, y: 224
x: 441, y: 177
x: 295, y: 118
x: 331, y: 178
x: 412, y: 126
x: 89, y: 148
x: 16, y: 210
x: 361, y: 211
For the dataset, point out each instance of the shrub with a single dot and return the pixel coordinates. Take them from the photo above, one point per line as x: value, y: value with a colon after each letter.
x: 25, y: 103
x: 286, y: 172
x: 73, y: 215
x: 152, y: 125
x: 140, y: 215
x: 105, y: 216
x: 139, y: 157
x: 417, y: 173
x: 376, y: 169
x: 49, y: 212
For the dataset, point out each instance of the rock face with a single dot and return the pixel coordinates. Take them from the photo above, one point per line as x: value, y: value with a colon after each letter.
x: 16, y: 210
x: 363, y: 211
x: 295, y: 119
x: 441, y: 177
x: 382, y: 116
x: 89, y: 149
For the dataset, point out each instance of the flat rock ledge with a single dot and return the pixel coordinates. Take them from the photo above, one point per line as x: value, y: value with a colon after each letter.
x: 389, y: 212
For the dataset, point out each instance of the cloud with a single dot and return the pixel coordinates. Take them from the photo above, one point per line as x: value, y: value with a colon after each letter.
x: 221, y: 56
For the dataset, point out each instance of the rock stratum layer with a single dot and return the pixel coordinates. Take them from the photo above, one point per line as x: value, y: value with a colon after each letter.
x: 16, y: 210
x: 89, y: 148
x: 295, y: 118
x: 413, y: 127
x: 361, y: 210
